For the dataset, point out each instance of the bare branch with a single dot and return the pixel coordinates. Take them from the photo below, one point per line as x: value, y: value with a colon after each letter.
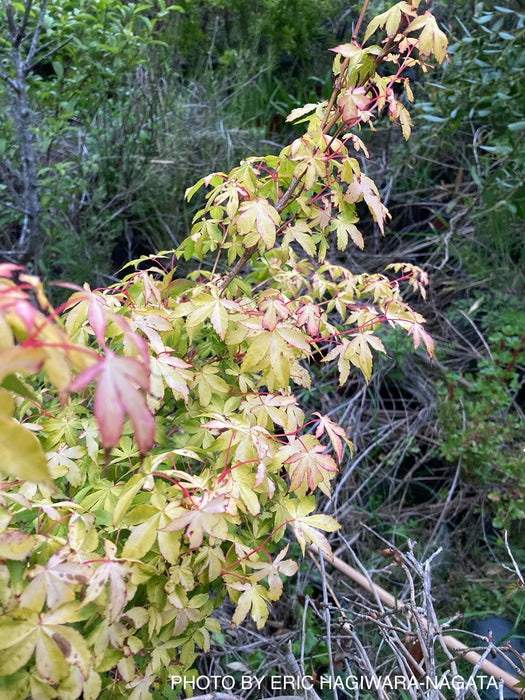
x: 8, y: 80
x: 36, y: 34
x: 23, y: 24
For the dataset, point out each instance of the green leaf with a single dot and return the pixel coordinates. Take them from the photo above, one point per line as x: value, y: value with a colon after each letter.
x: 17, y: 655
x: 126, y: 497
x: 141, y: 539
x: 301, y: 111
x: 22, y: 454
x: 14, y: 384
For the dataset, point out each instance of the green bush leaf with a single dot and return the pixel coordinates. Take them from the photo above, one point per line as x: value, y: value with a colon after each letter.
x: 22, y: 454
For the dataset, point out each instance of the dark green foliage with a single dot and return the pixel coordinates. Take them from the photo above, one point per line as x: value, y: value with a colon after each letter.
x: 472, y: 132
x: 482, y: 425
x: 131, y: 102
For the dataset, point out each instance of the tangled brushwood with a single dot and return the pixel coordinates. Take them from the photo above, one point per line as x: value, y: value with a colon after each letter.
x: 153, y: 449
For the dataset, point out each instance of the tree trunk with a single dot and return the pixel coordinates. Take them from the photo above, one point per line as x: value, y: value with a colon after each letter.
x: 28, y: 201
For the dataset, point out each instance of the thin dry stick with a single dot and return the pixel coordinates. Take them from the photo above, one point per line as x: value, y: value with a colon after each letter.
x: 346, y: 626
x: 326, y: 615
x: 452, y: 643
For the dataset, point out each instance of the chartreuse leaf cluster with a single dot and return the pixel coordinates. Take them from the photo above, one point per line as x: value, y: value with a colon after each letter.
x: 154, y: 453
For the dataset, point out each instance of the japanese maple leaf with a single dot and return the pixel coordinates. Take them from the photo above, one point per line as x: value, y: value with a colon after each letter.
x: 353, y: 103
x: 113, y: 572
x: 335, y: 433
x: 97, y: 309
x: 117, y: 394
x: 306, y: 527
x: 208, y: 517
x: 274, y: 308
x: 258, y: 219
x: 309, y: 464
x: 419, y: 334
x: 55, y: 582
x: 363, y: 187
x: 55, y: 645
x: 253, y: 598
x: 270, y: 569
x: 172, y: 371
x: 309, y: 316
x: 431, y: 40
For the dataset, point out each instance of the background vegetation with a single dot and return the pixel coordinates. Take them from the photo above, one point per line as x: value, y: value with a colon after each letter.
x: 131, y: 103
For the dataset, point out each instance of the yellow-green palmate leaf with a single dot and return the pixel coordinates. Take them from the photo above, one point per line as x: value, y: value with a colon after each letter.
x: 56, y: 646
x: 431, y: 40
x: 57, y: 582
x: 113, y: 572
x: 309, y: 466
x: 16, y: 546
x: 272, y: 570
x: 22, y: 454
x: 207, y: 517
x: 258, y: 220
x: 253, y: 599
x: 307, y: 527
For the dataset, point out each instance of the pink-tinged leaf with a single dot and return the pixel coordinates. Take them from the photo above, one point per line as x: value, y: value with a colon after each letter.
x: 97, y: 317
x: 274, y: 308
x: 27, y: 313
x: 309, y: 315
x: 84, y: 379
x: 150, y: 288
x: 116, y: 395
x: 109, y: 409
x: 309, y: 465
x: 7, y: 269
x: 354, y: 104
x: 335, y: 433
x: 124, y: 372
x: 419, y: 334
x: 219, y: 320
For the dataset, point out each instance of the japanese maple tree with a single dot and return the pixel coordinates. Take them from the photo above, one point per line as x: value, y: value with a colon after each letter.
x: 154, y: 451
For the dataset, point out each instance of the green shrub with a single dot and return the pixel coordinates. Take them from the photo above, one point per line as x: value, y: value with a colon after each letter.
x: 472, y: 137
x: 481, y: 424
